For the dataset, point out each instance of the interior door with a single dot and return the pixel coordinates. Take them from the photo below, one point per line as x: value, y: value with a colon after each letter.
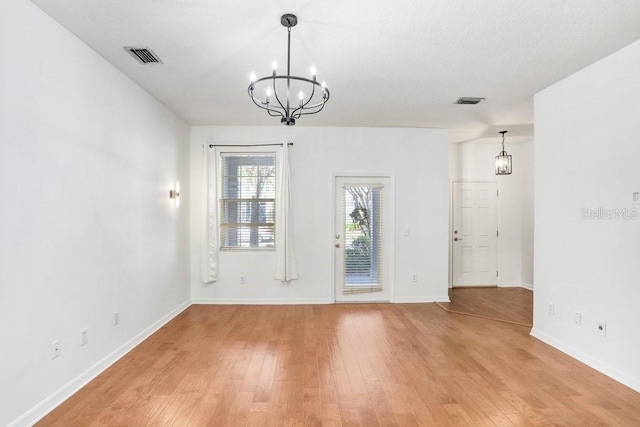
x: 362, y: 239
x: 475, y: 234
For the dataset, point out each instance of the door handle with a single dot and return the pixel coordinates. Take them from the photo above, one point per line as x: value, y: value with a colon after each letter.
x: 337, y: 245
x: 455, y: 239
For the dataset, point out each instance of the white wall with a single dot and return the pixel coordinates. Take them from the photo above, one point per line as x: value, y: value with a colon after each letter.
x: 86, y: 225
x: 476, y: 161
x: 416, y: 158
x: 588, y: 151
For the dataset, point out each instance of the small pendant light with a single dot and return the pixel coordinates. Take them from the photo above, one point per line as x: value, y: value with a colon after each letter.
x: 503, y: 160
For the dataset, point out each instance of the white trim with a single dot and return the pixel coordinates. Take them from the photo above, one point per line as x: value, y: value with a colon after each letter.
x: 515, y: 285
x: 583, y: 357
x: 261, y: 301
x: 424, y: 299
x: 36, y: 413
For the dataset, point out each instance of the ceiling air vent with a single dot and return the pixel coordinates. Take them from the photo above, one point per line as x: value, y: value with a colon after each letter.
x: 143, y: 55
x: 469, y: 100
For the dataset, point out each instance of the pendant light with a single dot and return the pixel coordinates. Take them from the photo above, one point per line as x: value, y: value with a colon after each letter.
x: 279, y: 88
x: 503, y: 160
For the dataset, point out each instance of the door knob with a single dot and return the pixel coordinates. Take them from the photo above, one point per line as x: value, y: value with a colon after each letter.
x: 337, y: 236
x: 455, y: 239
x: 337, y: 245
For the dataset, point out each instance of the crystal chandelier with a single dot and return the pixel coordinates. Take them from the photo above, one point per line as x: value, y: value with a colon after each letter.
x: 278, y: 88
x: 503, y: 160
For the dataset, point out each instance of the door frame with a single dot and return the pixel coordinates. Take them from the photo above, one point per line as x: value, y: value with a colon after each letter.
x: 390, y: 213
x: 451, y: 207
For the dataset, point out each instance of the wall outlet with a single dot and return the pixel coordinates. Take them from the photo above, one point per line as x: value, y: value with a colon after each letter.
x: 414, y: 278
x: 601, y: 328
x: 577, y: 318
x: 406, y: 231
x: 552, y: 308
x: 116, y: 318
x: 243, y: 280
x: 55, y: 349
x: 84, y: 336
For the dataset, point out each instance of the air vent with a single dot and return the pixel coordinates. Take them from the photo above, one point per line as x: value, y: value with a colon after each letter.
x: 143, y: 55
x: 469, y: 100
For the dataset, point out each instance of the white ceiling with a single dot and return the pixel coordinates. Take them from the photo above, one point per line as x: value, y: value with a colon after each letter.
x: 400, y: 63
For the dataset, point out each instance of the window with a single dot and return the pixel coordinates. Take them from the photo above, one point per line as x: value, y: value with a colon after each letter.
x: 248, y: 202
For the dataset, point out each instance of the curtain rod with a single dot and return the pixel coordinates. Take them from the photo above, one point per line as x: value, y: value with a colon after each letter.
x: 289, y: 144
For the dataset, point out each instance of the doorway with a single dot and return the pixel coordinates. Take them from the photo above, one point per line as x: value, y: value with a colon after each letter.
x: 363, y: 238
x: 474, y: 237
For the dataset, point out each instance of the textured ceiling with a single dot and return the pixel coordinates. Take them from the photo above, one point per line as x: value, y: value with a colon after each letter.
x: 401, y: 63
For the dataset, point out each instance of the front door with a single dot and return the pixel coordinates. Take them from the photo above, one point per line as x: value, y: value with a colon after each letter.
x: 362, y: 239
x: 475, y: 234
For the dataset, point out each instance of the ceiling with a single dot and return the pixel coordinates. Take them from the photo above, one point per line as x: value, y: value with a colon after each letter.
x: 386, y: 63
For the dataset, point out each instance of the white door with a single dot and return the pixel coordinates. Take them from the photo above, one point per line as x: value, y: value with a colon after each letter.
x: 362, y: 239
x: 475, y: 234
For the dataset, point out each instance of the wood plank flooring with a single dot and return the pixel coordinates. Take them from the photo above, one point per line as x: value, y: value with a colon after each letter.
x: 345, y: 365
x: 513, y: 305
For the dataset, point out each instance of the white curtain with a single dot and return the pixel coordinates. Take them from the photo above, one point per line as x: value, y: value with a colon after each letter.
x: 285, y: 256
x: 209, y: 214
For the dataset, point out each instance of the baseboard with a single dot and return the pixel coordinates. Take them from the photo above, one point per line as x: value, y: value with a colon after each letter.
x: 515, y: 285
x: 426, y: 299
x: 588, y: 360
x: 261, y: 301
x: 54, y: 400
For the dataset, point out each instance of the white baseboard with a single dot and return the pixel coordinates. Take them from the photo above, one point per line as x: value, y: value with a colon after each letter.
x: 589, y: 360
x: 426, y: 299
x: 515, y: 285
x: 260, y: 301
x: 54, y: 400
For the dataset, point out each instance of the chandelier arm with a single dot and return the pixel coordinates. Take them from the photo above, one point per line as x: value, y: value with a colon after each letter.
x: 270, y: 111
x: 261, y: 104
x: 304, y: 105
x: 275, y: 94
x: 316, y: 108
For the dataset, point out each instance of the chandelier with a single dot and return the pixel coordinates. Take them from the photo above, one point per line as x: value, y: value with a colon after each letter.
x: 278, y: 88
x: 503, y: 160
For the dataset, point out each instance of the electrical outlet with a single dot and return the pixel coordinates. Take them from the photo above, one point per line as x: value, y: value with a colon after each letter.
x: 552, y: 308
x: 577, y: 318
x: 601, y: 328
x: 243, y: 280
x: 84, y: 336
x: 55, y: 349
x: 414, y: 278
x: 406, y: 231
x: 116, y: 318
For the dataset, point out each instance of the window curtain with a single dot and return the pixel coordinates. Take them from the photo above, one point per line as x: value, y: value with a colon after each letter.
x: 209, y: 214
x: 286, y: 269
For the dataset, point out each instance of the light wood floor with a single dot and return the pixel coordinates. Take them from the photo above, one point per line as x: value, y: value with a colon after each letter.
x: 505, y: 304
x: 351, y: 364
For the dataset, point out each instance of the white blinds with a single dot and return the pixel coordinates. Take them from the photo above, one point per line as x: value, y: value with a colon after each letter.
x: 362, y: 213
x: 247, y: 202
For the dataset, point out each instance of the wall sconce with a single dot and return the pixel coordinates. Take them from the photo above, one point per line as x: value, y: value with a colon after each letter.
x: 503, y: 160
x: 175, y: 194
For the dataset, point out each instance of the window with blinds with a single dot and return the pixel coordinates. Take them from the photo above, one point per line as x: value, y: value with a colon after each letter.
x: 248, y: 201
x: 362, y: 238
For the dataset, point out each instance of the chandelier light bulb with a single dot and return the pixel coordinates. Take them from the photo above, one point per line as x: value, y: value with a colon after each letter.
x: 301, y: 98
x: 253, y: 77
x: 313, y: 71
x: 268, y: 95
x: 274, y: 65
x: 324, y: 84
